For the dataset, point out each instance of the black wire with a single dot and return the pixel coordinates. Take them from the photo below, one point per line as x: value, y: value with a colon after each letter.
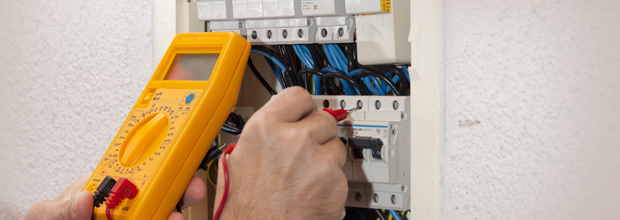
x: 213, y: 153
x: 329, y: 88
x: 289, y: 75
x: 289, y: 78
x: 362, y: 73
x: 402, y: 84
x: 260, y: 78
x: 380, y: 214
x: 305, y: 72
x: 321, y: 54
x: 289, y: 53
x: 354, y: 49
x: 333, y: 88
x: 346, y: 78
x: 350, y: 58
x: 318, y: 63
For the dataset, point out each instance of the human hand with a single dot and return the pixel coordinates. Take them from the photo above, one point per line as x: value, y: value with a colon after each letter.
x: 75, y: 204
x: 287, y: 164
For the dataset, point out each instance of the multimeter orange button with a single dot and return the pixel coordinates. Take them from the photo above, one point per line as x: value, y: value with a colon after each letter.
x: 143, y: 139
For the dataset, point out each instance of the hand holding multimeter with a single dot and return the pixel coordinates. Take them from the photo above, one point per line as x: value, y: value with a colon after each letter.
x: 294, y: 161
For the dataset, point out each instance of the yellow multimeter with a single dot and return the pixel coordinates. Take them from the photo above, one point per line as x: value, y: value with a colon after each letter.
x: 172, y: 125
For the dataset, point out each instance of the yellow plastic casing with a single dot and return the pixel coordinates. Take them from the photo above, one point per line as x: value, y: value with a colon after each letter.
x: 168, y: 133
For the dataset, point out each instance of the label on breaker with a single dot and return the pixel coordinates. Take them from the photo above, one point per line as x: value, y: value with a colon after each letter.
x: 365, y: 130
x: 318, y: 7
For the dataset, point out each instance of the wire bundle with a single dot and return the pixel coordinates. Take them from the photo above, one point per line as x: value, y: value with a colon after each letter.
x: 372, y: 214
x: 330, y: 69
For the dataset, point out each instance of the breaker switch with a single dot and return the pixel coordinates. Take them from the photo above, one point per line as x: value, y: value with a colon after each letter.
x: 361, y: 143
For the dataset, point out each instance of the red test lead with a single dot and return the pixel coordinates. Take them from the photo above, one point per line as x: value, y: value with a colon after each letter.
x: 121, y: 190
x: 340, y: 114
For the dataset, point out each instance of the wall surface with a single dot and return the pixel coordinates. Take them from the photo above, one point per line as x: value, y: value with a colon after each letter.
x: 71, y: 71
x: 531, y: 125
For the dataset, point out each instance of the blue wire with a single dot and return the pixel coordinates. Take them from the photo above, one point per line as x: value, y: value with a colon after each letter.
x: 377, y: 85
x: 330, y: 69
x: 354, y: 72
x: 309, y: 64
x: 275, y: 70
x: 376, y: 89
x: 331, y: 57
x: 337, y: 49
x: 342, y: 61
x: 306, y: 51
x: 395, y: 80
x: 394, y: 214
x: 373, y: 85
x: 302, y: 57
x: 298, y: 54
x: 274, y: 60
x: 340, y: 57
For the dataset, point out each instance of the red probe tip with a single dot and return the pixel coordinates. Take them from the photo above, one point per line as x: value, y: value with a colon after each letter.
x: 339, y: 114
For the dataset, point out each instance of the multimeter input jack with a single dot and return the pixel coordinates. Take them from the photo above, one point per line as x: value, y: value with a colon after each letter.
x: 103, y: 191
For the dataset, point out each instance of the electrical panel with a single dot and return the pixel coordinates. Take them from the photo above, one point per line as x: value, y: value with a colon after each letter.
x: 375, y: 25
x: 378, y: 167
x: 378, y: 178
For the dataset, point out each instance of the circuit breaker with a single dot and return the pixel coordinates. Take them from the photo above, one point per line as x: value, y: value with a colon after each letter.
x: 377, y: 137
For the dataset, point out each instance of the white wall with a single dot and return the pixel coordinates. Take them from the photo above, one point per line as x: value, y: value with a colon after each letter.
x: 541, y: 77
x: 69, y: 74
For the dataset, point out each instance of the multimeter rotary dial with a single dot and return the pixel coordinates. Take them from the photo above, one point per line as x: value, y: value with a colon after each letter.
x: 143, y: 139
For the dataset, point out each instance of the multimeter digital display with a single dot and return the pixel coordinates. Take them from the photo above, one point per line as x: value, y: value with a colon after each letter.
x: 172, y: 125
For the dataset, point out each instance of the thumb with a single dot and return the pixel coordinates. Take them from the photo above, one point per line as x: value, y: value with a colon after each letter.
x: 81, y: 207
x: 78, y: 208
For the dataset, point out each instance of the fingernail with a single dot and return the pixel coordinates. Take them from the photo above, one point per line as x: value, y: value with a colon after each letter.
x: 74, y: 205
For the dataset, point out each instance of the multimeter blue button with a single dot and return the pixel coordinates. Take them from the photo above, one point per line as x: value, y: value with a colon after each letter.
x: 189, y: 98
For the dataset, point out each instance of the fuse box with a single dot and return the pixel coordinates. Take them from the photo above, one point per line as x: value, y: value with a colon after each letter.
x: 381, y: 30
